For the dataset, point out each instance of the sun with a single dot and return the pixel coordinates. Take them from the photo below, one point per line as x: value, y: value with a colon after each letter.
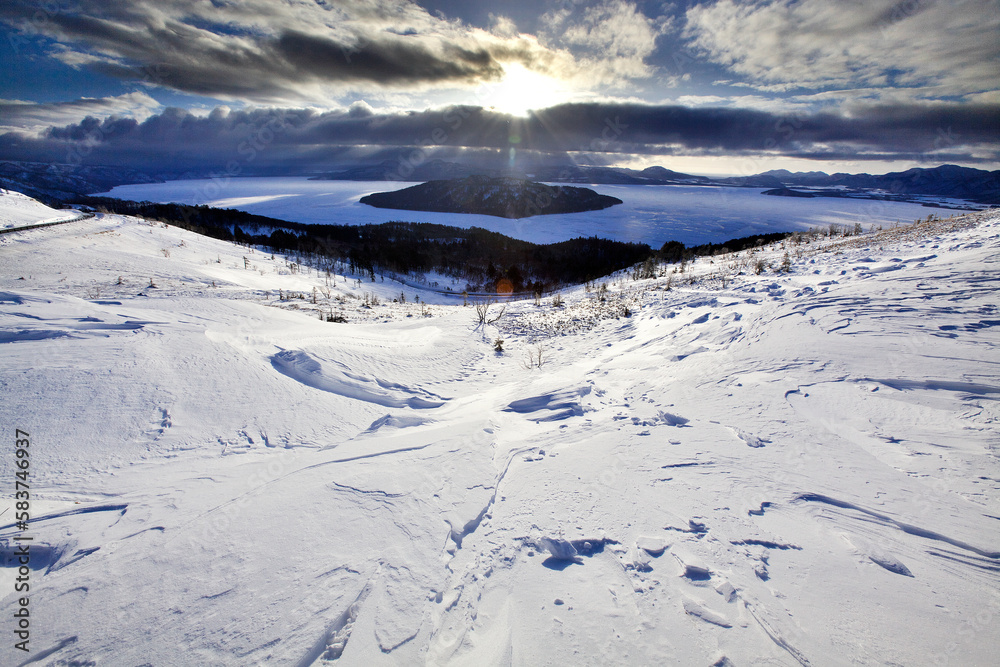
x: 522, y: 90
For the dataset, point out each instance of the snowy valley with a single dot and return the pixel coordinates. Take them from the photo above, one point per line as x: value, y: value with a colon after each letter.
x: 741, y: 460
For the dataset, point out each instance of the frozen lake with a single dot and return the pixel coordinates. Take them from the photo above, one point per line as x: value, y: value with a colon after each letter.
x: 650, y: 214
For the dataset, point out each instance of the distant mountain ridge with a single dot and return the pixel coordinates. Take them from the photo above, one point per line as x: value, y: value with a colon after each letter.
x: 945, y: 181
x: 438, y: 169
x: 490, y: 195
x: 51, y: 182
x: 948, y: 180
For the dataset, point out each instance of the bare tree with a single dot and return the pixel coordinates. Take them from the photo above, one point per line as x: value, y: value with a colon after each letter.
x: 534, y: 358
x: 499, y: 315
x: 482, y: 306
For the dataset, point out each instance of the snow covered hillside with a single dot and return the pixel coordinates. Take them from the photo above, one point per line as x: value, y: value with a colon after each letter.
x: 783, y: 468
x: 18, y: 210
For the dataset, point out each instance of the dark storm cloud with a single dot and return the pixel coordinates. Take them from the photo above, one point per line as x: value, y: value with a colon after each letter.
x: 23, y: 115
x: 905, y: 128
x: 395, y: 61
x: 176, y: 139
x: 265, y: 51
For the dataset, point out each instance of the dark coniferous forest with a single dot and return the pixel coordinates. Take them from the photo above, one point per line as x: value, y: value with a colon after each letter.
x: 477, y: 257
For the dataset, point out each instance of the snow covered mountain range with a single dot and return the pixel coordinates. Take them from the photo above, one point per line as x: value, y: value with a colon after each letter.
x: 64, y: 182
x: 783, y: 456
x: 945, y: 180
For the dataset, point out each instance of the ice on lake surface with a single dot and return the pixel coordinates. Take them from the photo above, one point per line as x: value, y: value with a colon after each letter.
x: 650, y: 214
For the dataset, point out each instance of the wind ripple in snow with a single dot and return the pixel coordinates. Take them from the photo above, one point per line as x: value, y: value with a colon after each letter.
x: 396, y: 422
x: 304, y: 368
x: 905, y: 527
x: 694, y: 609
x: 561, y: 404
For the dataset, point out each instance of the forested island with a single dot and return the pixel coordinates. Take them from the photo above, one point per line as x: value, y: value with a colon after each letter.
x: 488, y: 195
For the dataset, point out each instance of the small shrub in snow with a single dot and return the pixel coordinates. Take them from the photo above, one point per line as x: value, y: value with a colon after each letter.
x: 534, y: 358
x: 499, y: 315
x: 483, y: 309
x: 498, y: 345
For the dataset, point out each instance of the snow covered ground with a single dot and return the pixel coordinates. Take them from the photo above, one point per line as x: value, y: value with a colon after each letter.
x: 783, y: 468
x: 19, y: 210
x: 650, y: 214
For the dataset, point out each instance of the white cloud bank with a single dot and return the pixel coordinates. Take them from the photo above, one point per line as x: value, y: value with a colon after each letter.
x: 939, y: 49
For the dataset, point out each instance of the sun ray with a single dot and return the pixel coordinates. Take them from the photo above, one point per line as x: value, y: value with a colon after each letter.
x: 522, y: 90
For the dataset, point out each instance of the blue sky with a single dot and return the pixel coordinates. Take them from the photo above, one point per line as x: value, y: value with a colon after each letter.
x: 715, y: 86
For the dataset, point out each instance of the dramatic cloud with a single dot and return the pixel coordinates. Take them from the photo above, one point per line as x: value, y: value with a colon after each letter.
x: 914, y: 80
x: 260, y: 50
x: 614, y: 31
x: 939, y: 48
x: 255, y: 139
x: 611, y: 42
x: 33, y: 117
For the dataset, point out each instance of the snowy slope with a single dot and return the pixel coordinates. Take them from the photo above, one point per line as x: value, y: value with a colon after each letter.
x: 19, y: 210
x: 794, y: 468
